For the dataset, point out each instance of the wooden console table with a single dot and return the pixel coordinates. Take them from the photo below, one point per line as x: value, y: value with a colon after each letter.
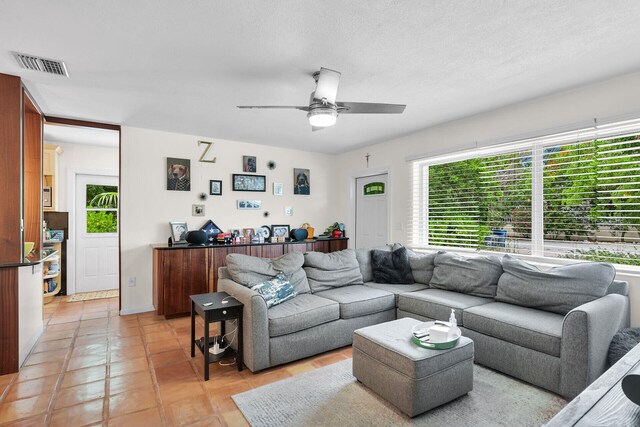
x: 181, y: 271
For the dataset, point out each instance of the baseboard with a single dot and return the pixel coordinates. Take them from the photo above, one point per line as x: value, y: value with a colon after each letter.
x: 137, y: 310
x: 30, y: 345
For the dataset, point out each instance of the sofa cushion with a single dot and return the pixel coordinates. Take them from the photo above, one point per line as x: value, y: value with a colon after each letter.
x: 558, y: 290
x: 335, y: 269
x: 391, y: 267
x: 437, y: 303
x: 397, y: 289
x: 359, y: 300
x: 364, y: 261
x: 422, y: 266
x: 302, y: 312
x: 275, y: 291
x: 249, y: 270
x: 476, y: 276
x: 527, y: 327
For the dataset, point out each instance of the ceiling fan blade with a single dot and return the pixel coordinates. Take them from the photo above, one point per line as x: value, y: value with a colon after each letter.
x: 369, y: 108
x: 274, y: 107
x: 327, y: 85
x: 316, y: 128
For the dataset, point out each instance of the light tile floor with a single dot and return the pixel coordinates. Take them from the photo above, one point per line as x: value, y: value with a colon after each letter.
x: 94, y: 367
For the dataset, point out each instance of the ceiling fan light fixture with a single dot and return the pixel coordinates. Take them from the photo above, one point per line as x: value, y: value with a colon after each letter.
x: 322, y: 117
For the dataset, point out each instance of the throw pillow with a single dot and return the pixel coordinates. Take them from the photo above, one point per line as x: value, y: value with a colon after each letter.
x: 558, y: 290
x: 392, y: 267
x: 332, y: 270
x: 476, y: 276
x: 248, y: 270
x: 364, y: 260
x: 276, y: 290
x: 422, y: 266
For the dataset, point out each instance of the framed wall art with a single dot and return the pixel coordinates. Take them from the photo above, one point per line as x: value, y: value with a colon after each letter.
x: 301, y: 181
x: 278, y: 189
x: 215, y: 187
x: 249, y: 164
x: 178, y: 174
x: 243, y: 182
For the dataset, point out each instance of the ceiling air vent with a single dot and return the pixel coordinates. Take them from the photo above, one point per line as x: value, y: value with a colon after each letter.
x: 44, y: 65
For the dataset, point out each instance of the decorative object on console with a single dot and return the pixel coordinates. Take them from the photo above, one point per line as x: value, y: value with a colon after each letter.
x: 197, y: 210
x: 310, y: 230
x: 243, y: 182
x: 278, y: 189
x: 271, y: 165
x: 299, y: 234
x: 280, y: 231
x: 179, y: 231
x: 178, y: 174
x: 265, y: 231
x: 332, y: 229
x: 301, y: 181
x: 197, y: 237
x: 211, y: 230
x: 249, y: 164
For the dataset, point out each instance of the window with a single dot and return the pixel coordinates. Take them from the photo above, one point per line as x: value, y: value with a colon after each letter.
x: 572, y: 195
x: 102, y: 208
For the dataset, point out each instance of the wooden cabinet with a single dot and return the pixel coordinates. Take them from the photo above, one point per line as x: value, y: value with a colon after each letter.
x: 50, y: 176
x: 179, y: 272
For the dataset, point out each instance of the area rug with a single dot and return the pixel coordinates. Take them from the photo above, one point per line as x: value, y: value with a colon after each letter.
x: 331, y: 396
x: 86, y: 296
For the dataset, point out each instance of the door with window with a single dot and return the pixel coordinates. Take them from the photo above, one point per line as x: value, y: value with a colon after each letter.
x: 372, y: 211
x: 96, y: 233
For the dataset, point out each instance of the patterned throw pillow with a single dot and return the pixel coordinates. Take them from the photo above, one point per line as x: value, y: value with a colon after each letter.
x: 276, y: 290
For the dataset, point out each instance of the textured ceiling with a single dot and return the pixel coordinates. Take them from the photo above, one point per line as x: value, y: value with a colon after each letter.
x: 183, y: 66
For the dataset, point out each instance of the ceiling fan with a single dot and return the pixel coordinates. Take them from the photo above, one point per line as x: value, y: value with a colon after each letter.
x: 323, y: 109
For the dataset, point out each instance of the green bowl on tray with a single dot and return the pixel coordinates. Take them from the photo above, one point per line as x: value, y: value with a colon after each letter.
x: 425, y: 343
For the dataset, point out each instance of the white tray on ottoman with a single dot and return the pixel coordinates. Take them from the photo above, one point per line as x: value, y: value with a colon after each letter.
x: 412, y: 378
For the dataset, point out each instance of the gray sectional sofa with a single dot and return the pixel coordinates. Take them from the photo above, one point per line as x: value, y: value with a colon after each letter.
x: 551, y: 329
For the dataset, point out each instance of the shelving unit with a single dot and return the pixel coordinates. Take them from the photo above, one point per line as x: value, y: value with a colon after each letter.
x: 52, y: 259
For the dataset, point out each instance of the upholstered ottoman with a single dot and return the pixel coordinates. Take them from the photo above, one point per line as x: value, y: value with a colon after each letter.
x: 412, y: 378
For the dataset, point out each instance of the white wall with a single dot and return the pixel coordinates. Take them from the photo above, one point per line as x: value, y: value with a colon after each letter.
x: 147, y: 207
x: 81, y: 156
x: 615, y: 97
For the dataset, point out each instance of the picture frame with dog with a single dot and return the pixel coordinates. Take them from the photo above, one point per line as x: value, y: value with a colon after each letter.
x: 249, y: 164
x: 178, y: 174
x: 301, y: 181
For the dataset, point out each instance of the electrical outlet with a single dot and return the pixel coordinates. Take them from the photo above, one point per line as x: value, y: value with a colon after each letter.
x: 288, y: 211
x: 132, y: 282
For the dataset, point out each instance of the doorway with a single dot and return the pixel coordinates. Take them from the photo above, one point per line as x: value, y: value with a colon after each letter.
x: 96, y: 233
x: 79, y: 149
x: 372, y: 211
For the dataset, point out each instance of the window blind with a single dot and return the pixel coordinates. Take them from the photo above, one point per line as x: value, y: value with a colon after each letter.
x: 586, y: 203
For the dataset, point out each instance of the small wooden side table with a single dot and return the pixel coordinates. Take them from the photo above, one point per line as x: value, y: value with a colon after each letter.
x: 222, y: 307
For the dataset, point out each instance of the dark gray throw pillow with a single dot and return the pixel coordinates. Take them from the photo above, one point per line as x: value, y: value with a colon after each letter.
x: 392, y: 267
x: 558, y: 290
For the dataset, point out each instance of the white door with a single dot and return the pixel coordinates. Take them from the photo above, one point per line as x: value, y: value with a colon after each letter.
x: 372, y: 211
x: 96, y: 233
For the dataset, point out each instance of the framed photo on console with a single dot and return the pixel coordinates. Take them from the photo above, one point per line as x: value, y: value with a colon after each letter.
x: 280, y: 231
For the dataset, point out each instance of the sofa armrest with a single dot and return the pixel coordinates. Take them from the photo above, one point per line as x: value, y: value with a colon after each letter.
x: 255, y: 323
x: 586, y: 334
